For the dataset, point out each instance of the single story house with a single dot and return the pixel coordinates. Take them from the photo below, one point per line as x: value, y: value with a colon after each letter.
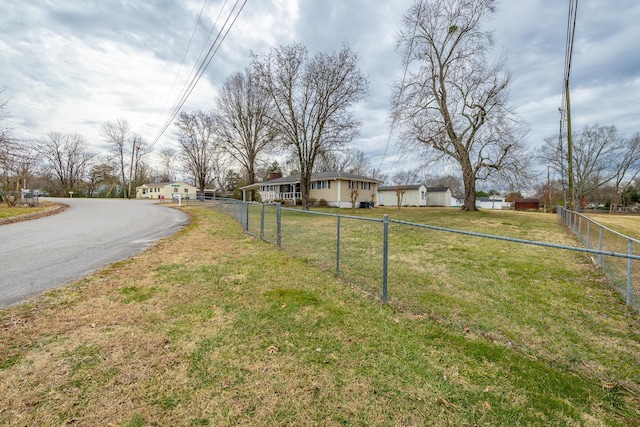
x: 333, y: 187
x: 413, y: 195
x: 166, y: 190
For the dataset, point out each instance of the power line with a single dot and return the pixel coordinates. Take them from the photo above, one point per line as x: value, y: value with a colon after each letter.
x: 195, y: 27
x: 404, y: 76
x: 213, y: 49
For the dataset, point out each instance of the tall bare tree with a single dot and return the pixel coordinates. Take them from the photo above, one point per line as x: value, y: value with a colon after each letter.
x: 69, y: 157
x: 312, y: 98
x: 601, y: 157
x: 627, y: 169
x: 241, y: 117
x: 167, y: 172
x: 350, y: 160
x: 9, y: 154
x: 117, y: 135
x: 198, y: 148
x: 453, y: 103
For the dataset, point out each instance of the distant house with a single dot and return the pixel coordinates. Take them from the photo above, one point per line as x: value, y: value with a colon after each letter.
x: 334, y: 187
x: 166, y: 190
x: 413, y: 195
x: 457, y: 201
x: 490, y: 203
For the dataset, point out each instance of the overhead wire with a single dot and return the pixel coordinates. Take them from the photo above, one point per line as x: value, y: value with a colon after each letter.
x: 186, y: 51
x: 394, y: 115
x: 213, y: 49
x: 571, y: 29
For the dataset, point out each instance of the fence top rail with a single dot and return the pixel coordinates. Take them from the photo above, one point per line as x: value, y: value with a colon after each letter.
x: 624, y: 236
x: 332, y: 214
x: 515, y: 240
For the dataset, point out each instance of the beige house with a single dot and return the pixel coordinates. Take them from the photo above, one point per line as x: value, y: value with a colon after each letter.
x: 166, y: 191
x: 335, y: 188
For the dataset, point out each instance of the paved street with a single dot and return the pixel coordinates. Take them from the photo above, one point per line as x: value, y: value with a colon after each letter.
x: 48, y: 252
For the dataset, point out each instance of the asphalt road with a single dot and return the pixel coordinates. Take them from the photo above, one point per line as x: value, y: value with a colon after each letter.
x: 48, y: 252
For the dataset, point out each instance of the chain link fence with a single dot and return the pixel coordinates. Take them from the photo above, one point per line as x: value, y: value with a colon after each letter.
x: 401, y: 261
x: 610, y: 250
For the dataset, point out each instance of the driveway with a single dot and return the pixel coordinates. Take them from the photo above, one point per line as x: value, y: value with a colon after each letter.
x: 45, y: 253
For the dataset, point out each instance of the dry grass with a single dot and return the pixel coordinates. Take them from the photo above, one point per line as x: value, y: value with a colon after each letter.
x: 211, y: 327
x: 625, y: 224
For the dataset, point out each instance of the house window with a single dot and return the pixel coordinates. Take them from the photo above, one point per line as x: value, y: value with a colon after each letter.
x: 320, y: 185
x: 186, y: 190
x: 366, y: 186
x: 175, y: 190
x: 353, y: 184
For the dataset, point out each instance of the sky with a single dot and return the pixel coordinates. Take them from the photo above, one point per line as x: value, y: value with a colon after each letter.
x: 70, y: 65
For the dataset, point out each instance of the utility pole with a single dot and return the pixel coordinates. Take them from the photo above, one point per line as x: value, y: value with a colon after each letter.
x: 572, y: 194
x: 571, y: 29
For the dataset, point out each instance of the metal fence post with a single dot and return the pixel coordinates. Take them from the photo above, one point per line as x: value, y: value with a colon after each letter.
x: 629, y: 272
x: 588, y: 232
x: 385, y: 255
x: 278, y: 225
x: 338, y: 247
x: 246, y: 217
x: 262, y: 222
x: 600, y: 257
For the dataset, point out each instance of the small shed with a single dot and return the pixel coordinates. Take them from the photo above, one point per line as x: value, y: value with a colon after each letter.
x: 438, y: 196
x: 412, y: 195
x: 527, y: 204
x: 489, y: 202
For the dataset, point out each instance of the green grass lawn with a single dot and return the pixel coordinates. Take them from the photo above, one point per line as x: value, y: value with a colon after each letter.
x: 212, y: 327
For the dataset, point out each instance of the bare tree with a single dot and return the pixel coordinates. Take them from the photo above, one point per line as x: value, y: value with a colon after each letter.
x: 69, y: 158
x: 350, y: 160
x: 601, y: 157
x: 117, y: 134
x: 139, y: 149
x: 242, y: 124
x: 627, y: 169
x: 452, y: 102
x: 450, y: 181
x: 9, y: 156
x: 168, y: 157
x: 198, y: 149
x: 312, y: 98
x: 400, y: 180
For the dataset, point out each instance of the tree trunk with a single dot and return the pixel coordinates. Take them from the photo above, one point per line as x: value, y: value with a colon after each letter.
x: 305, y: 183
x: 469, y: 189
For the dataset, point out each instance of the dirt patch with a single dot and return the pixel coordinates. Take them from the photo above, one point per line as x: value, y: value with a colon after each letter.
x: 41, y: 214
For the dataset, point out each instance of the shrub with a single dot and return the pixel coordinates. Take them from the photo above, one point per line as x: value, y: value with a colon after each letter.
x: 322, y: 203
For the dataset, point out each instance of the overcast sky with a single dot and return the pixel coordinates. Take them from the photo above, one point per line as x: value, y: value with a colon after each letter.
x: 70, y: 65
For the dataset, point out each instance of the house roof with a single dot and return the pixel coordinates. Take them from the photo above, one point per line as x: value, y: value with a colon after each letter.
x: 437, y: 189
x: 163, y: 184
x: 317, y: 176
x: 400, y: 187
